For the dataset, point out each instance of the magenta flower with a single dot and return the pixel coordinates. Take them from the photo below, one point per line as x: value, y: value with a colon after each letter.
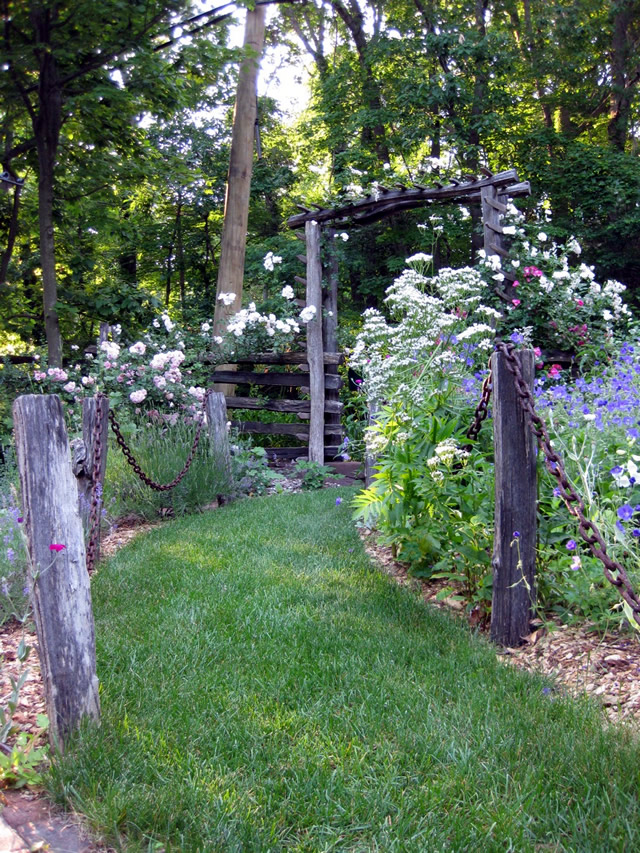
x: 56, y: 547
x: 515, y: 302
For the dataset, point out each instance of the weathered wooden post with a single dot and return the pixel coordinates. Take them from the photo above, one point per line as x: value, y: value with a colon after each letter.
x: 315, y: 349
x: 58, y: 579
x: 330, y: 341
x: 514, y: 550
x: 218, y: 434
x: 82, y: 452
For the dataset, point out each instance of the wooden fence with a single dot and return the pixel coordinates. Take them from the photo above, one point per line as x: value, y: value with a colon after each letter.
x: 312, y: 373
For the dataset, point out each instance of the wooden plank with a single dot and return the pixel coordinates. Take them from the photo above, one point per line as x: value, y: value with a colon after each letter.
x: 497, y: 205
x: 293, y: 452
x: 284, y: 380
x: 300, y: 280
x: 498, y: 250
x: 58, y: 580
x: 514, y: 550
x: 496, y: 228
x: 219, y: 437
x: 299, y: 430
x: 302, y: 258
x: 370, y: 209
x: 315, y: 347
x: 300, y: 406
x: 286, y: 358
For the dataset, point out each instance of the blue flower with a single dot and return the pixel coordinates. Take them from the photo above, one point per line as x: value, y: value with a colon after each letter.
x: 338, y: 501
x: 571, y: 545
x: 516, y: 534
x: 625, y: 512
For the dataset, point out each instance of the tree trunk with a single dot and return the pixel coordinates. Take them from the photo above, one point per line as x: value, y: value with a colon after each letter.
x: 236, y: 207
x: 11, y: 237
x: 46, y: 120
x: 623, y: 84
x: 373, y: 131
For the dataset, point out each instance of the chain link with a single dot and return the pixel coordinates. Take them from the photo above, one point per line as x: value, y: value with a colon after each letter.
x: 613, y: 570
x: 96, y: 487
x: 482, y: 409
x: 158, y: 487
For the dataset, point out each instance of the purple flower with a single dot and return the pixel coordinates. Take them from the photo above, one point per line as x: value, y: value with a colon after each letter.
x: 625, y: 512
x: 516, y: 534
x: 338, y: 501
x: 571, y: 545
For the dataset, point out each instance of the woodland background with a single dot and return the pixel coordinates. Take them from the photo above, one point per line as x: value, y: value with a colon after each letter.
x: 117, y: 116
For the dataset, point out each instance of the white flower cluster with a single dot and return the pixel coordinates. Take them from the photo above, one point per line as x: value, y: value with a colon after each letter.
x: 270, y: 261
x: 249, y: 319
x: 440, y: 323
x: 227, y: 298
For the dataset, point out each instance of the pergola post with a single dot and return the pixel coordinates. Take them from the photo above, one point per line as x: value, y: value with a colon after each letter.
x: 315, y: 349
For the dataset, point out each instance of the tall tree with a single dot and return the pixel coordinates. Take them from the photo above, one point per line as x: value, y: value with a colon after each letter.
x: 236, y: 209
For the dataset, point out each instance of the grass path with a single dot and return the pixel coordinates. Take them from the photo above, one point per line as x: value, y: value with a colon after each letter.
x: 265, y: 689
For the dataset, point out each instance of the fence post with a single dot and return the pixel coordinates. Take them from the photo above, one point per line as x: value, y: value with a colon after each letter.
x: 218, y: 434
x: 58, y: 582
x: 315, y: 349
x: 514, y: 550
x: 82, y: 454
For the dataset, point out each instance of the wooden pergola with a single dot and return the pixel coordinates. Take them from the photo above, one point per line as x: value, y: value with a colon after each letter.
x: 492, y: 192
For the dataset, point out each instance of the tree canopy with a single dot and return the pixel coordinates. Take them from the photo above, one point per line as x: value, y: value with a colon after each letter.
x: 117, y: 115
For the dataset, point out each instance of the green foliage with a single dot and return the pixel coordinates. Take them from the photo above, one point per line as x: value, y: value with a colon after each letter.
x: 313, y: 474
x: 161, y: 450
x: 21, y: 755
x: 251, y: 471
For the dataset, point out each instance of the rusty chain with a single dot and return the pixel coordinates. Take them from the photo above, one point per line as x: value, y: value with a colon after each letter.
x: 96, y: 488
x: 613, y: 570
x: 482, y: 409
x: 158, y: 487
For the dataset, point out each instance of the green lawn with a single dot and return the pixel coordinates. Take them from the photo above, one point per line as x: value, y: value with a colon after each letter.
x: 265, y: 689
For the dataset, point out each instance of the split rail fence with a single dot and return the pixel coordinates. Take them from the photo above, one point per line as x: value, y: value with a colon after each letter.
x: 312, y: 373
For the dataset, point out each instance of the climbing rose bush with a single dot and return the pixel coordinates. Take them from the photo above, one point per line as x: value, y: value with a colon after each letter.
x: 550, y: 298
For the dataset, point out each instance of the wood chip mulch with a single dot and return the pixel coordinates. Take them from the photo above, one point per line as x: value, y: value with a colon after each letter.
x: 578, y: 660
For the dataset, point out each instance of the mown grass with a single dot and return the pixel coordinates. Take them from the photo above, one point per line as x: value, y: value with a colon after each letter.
x: 265, y: 689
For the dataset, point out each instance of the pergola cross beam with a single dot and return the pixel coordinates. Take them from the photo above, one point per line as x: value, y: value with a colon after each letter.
x: 386, y: 202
